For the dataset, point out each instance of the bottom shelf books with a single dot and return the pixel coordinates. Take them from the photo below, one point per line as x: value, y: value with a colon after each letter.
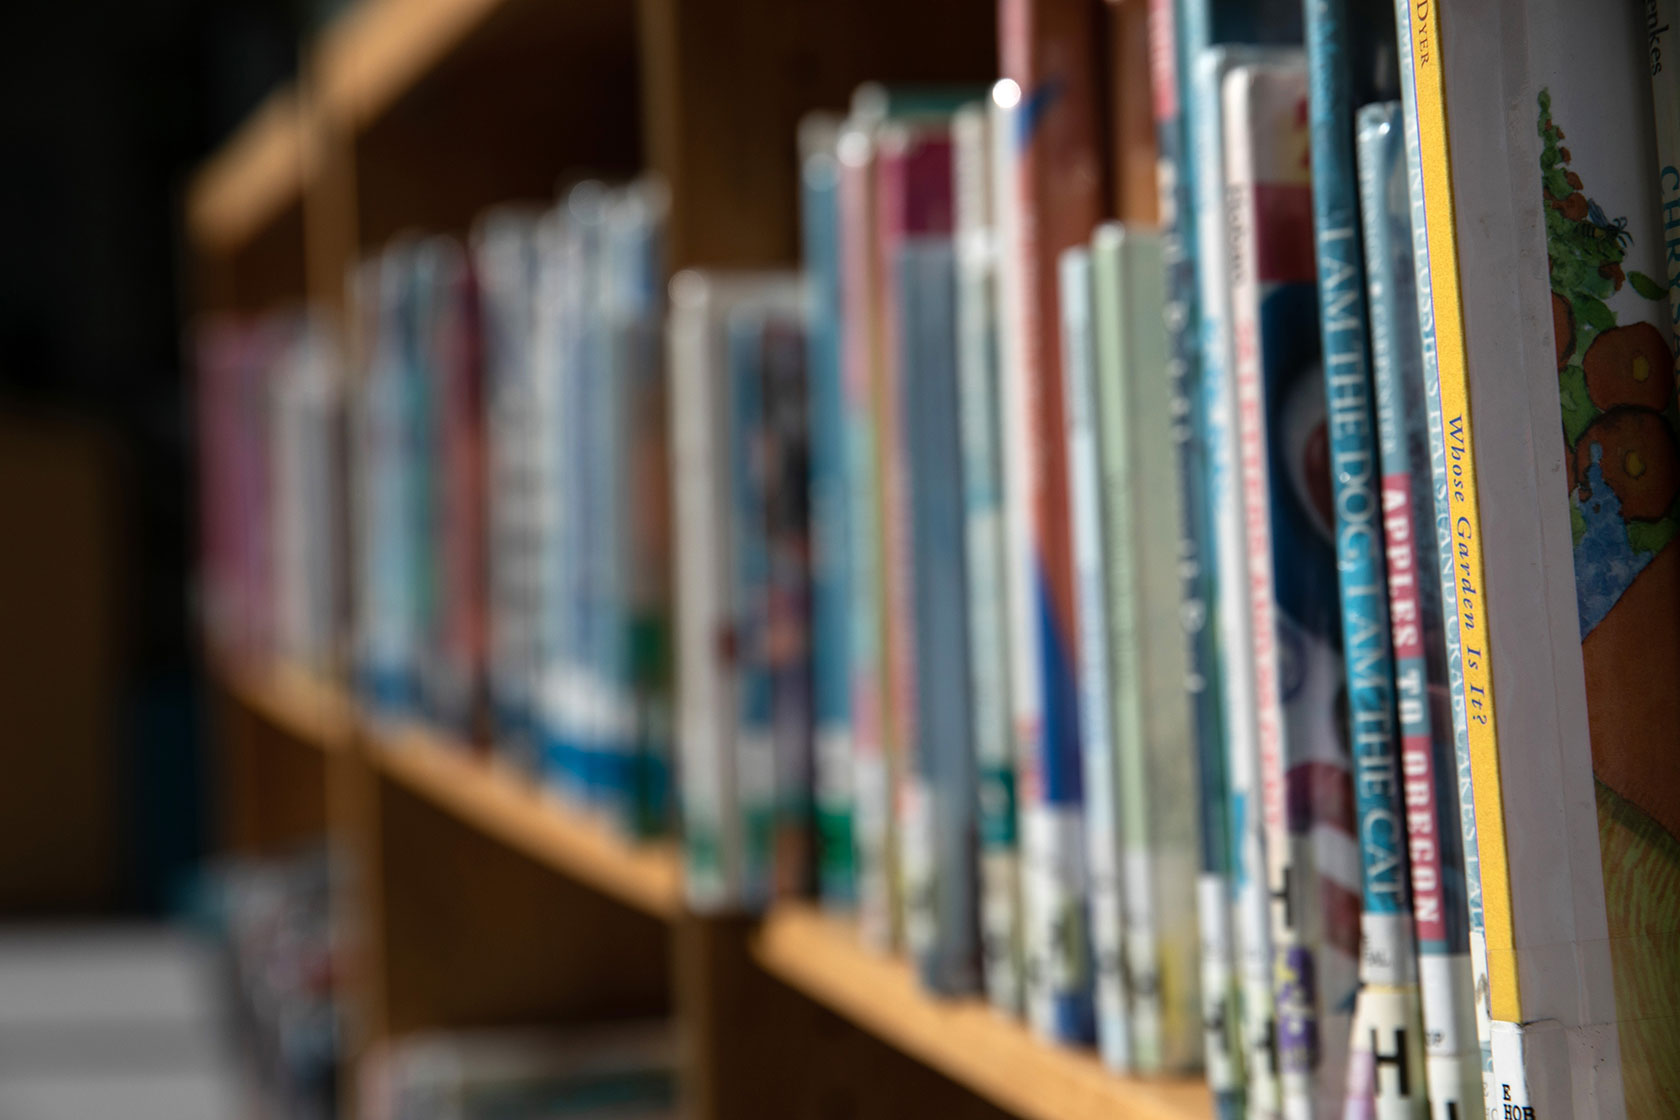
x: 622, y: 1071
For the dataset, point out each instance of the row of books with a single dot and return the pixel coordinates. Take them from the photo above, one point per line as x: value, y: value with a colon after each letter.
x: 1104, y: 612
x: 510, y: 482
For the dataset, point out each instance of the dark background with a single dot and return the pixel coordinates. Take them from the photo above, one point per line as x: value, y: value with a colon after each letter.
x: 106, y: 106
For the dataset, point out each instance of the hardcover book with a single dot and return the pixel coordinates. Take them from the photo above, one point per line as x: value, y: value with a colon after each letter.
x: 1564, y: 571
x: 1295, y: 620
x: 1151, y: 713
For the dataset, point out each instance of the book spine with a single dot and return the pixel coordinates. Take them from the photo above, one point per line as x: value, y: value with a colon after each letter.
x: 874, y: 821
x: 637, y: 225
x: 506, y: 264
x: 973, y: 132
x: 784, y: 457
x: 830, y: 533
x: 1217, y: 407
x: 1097, y: 706
x: 1306, y: 794
x: 700, y: 499
x: 1142, y: 519
x: 895, y: 151
x: 941, y: 795
x: 1662, y: 17
x: 1430, y: 204
x: 1385, y: 1074
x: 568, y: 689
x: 1221, y: 1044
x: 750, y: 591
x: 1046, y: 48
x: 1428, y: 766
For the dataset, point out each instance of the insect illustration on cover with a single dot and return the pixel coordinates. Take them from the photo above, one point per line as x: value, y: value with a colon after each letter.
x: 1604, y: 228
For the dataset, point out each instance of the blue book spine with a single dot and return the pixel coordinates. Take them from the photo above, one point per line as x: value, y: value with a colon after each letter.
x: 1199, y: 601
x: 1386, y: 1023
x: 1428, y: 768
x: 942, y: 919
x: 831, y: 593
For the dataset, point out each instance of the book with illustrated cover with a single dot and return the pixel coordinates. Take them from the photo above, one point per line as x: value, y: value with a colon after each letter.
x: 973, y: 137
x: 1428, y: 757
x: 1295, y: 618
x: 1350, y: 60
x: 1151, y: 715
x: 1560, y: 503
x: 1099, y: 707
x: 831, y: 593
x: 1225, y: 497
x: 505, y: 255
x: 1047, y: 50
x: 1662, y: 19
x: 940, y: 797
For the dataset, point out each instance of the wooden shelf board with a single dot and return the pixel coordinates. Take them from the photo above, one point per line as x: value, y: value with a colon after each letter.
x: 252, y: 179
x: 966, y: 1040
x: 502, y: 804
x: 310, y: 710
x: 379, y: 49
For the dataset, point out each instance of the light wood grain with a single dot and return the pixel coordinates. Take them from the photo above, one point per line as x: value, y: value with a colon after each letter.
x: 312, y: 711
x: 251, y: 180
x: 504, y: 805
x: 964, y: 1039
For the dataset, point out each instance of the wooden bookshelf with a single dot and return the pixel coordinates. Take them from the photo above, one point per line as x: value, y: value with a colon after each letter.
x: 252, y: 180
x: 510, y: 808
x: 965, y: 1039
x: 476, y: 898
x: 311, y: 711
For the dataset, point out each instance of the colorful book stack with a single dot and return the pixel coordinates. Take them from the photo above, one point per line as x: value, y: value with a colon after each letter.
x: 1105, y: 613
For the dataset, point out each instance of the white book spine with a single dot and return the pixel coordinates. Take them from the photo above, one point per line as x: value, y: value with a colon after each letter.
x: 1237, y: 670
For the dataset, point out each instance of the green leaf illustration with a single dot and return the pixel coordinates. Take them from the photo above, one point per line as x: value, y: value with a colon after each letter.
x: 1646, y: 286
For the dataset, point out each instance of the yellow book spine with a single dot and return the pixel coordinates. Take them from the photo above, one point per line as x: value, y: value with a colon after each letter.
x: 1457, y: 433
